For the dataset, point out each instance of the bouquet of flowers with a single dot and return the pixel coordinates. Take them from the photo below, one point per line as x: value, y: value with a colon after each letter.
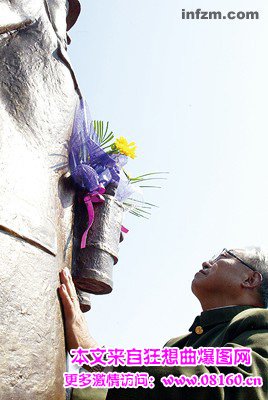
x: 105, y: 191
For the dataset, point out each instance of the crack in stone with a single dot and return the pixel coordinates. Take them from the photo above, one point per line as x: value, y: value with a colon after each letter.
x: 15, y: 27
x: 25, y: 239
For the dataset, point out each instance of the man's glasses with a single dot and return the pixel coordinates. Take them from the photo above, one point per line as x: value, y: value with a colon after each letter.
x: 216, y: 258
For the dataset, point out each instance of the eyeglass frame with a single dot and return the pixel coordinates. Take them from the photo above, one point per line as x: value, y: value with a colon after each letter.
x: 238, y: 258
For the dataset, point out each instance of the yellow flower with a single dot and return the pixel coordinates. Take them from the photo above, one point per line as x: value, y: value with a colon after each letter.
x: 124, y: 147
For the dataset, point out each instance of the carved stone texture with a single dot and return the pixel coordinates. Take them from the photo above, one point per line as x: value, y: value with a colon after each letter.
x: 37, y: 104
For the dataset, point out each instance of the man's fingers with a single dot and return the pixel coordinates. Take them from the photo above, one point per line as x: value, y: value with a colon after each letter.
x: 66, y: 279
x: 67, y: 303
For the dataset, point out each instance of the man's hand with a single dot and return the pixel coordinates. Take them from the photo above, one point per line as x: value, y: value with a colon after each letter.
x: 76, y: 330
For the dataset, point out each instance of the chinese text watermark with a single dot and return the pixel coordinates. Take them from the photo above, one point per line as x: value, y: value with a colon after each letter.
x: 167, y: 356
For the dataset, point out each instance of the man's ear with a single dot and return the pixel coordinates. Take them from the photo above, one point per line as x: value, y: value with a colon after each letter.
x: 253, y: 280
x: 73, y: 13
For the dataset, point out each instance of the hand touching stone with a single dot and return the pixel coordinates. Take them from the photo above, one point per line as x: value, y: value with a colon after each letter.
x: 76, y: 330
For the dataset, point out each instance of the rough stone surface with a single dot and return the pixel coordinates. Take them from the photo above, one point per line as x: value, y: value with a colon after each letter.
x: 37, y: 103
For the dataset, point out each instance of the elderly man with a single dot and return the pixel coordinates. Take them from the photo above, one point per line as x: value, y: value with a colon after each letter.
x: 232, y: 289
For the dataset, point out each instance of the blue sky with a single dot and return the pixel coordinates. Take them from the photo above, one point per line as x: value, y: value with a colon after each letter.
x: 193, y: 95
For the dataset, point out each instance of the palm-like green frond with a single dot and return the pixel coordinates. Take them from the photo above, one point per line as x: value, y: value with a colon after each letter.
x: 105, y: 137
x: 146, y: 177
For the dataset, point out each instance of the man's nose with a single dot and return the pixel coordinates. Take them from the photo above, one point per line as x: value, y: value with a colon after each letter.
x: 206, y: 264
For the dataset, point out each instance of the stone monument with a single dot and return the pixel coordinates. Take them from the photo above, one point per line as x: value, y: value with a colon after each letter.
x: 38, y: 98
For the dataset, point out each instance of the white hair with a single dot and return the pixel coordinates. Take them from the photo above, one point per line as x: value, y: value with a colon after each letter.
x: 257, y: 257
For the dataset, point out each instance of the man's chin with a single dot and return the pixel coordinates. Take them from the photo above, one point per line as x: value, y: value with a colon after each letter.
x: 198, y: 283
x: 194, y: 285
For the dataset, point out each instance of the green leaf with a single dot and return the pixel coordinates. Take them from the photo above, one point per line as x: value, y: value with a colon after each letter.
x: 152, y: 173
x: 136, y: 208
x: 155, y: 187
x: 137, y: 214
x: 106, y: 130
x: 143, y: 202
x: 104, y: 137
x: 132, y: 181
x: 108, y: 139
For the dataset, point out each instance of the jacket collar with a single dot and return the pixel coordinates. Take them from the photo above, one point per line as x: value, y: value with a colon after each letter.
x: 217, y: 316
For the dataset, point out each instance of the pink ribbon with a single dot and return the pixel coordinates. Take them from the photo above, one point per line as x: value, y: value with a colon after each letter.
x: 124, y: 230
x: 89, y: 199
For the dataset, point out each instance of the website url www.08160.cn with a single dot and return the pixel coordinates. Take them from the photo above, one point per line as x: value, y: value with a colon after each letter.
x: 212, y: 380
x: 211, y: 15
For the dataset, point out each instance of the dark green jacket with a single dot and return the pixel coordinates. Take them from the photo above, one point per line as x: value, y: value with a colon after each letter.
x: 230, y: 327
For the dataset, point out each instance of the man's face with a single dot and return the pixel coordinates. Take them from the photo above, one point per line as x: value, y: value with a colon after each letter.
x: 222, y: 276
